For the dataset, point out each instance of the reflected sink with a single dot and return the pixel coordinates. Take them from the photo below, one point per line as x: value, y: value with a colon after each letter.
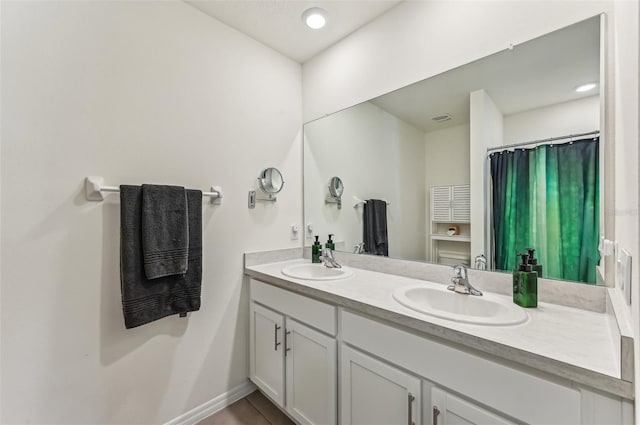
x: 488, y: 309
x: 316, y: 272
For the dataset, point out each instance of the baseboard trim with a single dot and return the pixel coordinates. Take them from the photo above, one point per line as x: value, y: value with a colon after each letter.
x: 210, y: 407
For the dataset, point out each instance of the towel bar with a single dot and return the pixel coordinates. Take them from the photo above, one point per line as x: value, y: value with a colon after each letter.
x: 359, y: 202
x: 94, y: 189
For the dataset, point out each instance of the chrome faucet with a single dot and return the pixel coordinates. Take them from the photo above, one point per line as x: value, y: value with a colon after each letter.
x: 329, y: 260
x: 358, y: 248
x: 461, y: 283
x: 480, y: 262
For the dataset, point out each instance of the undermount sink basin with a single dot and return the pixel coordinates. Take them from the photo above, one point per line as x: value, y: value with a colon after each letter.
x: 316, y: 272
x: 487, y: 309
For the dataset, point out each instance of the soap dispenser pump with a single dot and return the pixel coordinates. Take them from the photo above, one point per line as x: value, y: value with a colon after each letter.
x: 534, y: 262
x: 525, y: 284
x: 330, y: 244
x: 316, y: 248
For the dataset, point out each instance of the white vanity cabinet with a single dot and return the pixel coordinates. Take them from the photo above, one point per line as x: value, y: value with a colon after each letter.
x: 447, y: 409
x: 464, y: 387
x: 302, y: 348
x: 267, y: 352
x: 293, y: 355
x: 375, y: 393
x: 311, y: 384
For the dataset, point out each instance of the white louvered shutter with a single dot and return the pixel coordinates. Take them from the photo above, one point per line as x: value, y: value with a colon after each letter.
x: 441, y: 203
x: 461, y: 203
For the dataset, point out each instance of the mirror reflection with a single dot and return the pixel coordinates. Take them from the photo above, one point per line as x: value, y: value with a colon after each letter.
x: 335, y: 192
x: 425, y: 150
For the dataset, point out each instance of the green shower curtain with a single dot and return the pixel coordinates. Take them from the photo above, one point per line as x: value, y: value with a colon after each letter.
x: 547, y: 198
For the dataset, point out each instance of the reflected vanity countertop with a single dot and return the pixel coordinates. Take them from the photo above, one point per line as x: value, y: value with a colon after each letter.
x: 574, y: 344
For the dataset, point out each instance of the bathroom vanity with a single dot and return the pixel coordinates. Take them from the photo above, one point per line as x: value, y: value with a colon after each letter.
x: 341, y: 349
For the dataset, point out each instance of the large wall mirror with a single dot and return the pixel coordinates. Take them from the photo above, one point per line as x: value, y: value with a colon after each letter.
x: 431, y: 143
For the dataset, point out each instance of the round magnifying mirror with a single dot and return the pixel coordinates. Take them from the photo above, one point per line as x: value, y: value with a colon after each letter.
x: 336, y: 187
x: 271, y: 181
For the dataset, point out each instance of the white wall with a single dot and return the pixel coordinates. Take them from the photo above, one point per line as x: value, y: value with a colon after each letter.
x: 377, y: 156
x: 578, y: 116
x: 446, y: 163
x: 418, y: 39
x: 135, y: 92
x: 486, y: 131
x: 627, y: 154
x: 447, y: 156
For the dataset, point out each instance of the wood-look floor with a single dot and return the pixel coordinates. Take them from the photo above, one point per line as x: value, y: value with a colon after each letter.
x: 254, y: 409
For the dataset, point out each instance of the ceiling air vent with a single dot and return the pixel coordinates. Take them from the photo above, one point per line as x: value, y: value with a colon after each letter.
x: 441, y: 118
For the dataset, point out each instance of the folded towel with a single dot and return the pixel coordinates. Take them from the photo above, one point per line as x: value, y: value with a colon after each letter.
x: 375, y: 227
x: 145, y: 300
x: 165, y: 230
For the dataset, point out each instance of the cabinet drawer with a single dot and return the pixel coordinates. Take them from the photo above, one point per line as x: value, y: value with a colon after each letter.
x: 514, y: 392
x: 311, y: 312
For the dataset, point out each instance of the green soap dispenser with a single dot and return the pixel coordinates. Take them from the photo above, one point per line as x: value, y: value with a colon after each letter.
x: 525, y: 284
x: 330, y: 243
x: 315, y: 251
x: 534, y: 262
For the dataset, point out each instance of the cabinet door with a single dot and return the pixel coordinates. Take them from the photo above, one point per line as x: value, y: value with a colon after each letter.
x: 311, y: 360
x: 447, y: 409
x: 373, y: 392
x: 460, y: 203
x: 266, y: 363
x: 441, y: 203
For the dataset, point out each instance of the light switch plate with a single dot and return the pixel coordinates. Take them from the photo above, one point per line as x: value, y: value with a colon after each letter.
x: 623, y: 271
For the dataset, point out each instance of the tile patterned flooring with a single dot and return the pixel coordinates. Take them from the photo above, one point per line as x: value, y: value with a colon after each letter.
x: 254, y: 409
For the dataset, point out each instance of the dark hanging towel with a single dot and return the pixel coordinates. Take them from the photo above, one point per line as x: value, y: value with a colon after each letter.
x: 145, y: 300
x: 375, y: 227
x: 165, y: 230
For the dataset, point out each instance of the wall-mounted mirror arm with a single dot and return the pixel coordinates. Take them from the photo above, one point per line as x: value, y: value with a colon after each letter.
x: 253, y: 198
x: 270, y: 182
x: 337, y: 201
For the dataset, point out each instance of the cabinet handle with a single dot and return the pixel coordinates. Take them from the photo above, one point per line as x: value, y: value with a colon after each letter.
x: 436, y: 412
x: 275, y: 337
x: 286, y: 342
x: 410, y: 409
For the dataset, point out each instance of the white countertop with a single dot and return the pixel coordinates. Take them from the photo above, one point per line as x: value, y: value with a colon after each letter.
x: 567, y: 342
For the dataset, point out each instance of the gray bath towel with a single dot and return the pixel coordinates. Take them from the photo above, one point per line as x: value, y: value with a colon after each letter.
x: 375, y: 227
x: 165, y: 230
x: 145, y: 300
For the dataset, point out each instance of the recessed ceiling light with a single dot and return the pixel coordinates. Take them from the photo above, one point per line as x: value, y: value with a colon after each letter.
x: 315, y: 17
x: 585, y: 87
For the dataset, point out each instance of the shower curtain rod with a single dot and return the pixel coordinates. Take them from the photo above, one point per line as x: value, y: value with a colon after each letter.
x: 541, y: 141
